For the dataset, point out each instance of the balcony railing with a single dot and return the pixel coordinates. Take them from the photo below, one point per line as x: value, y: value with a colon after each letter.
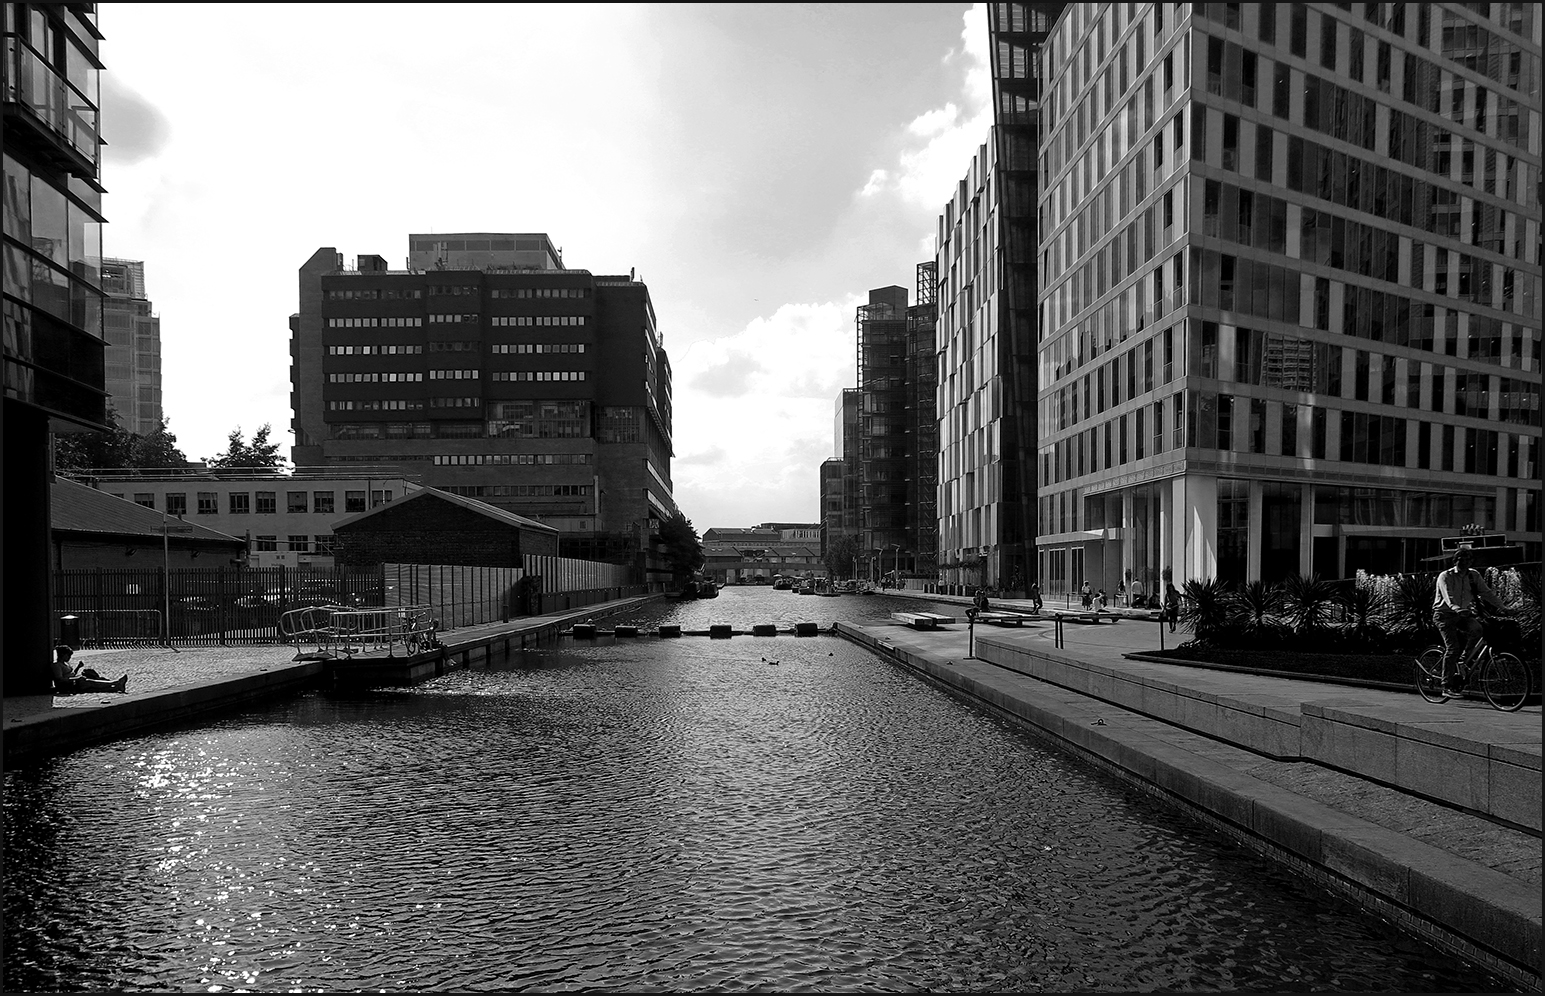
x: 31, y: 83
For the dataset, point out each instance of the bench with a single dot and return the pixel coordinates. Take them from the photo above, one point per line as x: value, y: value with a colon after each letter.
x: 1090, y: 617
x: 917, y: 620
x: 940, y: 620
x: 1005, y: 618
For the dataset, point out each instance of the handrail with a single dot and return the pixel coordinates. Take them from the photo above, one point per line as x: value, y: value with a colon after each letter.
x: 344, y: 631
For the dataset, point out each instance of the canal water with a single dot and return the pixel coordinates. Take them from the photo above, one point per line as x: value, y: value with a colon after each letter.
x: 753, y: 814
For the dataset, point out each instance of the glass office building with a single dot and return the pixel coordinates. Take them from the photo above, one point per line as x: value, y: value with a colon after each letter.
x: 1290, y: 288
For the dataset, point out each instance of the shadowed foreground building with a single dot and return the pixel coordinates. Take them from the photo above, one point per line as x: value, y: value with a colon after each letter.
x: 1290, y: 287
x: 53, y: 298
x: 488, y: 370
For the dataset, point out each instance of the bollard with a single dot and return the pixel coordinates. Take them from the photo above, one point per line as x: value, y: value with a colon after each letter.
x: 971, y: 634
x: 764, y: 629
x: 1161, y: 632
x: 672, y: 630
x: 584, y: 631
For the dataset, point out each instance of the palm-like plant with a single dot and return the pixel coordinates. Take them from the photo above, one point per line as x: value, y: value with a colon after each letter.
x: 1310, y: 603
x: 1206, y: 608
x: 1410, y: 607
x: 1367, y: 606
x: 1256, y: 602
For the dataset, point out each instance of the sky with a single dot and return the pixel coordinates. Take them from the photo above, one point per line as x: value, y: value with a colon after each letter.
x: 761, y: 167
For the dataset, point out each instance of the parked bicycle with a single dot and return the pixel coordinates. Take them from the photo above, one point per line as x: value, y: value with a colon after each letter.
x: 1501, y: 677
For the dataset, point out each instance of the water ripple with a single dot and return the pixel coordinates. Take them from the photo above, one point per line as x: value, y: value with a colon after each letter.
x: 649, y: 816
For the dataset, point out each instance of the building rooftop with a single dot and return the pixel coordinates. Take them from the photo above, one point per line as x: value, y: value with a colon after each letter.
x: 471, y: 504
x: 80, y: 509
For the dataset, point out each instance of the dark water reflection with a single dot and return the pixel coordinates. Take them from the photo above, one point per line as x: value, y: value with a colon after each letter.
x: 678, y: 815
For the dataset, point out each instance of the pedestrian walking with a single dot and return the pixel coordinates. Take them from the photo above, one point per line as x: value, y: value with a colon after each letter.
x: 1171, y: 604
x: 1086, y: 595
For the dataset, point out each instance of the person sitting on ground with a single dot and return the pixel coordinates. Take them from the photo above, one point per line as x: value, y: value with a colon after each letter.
x: 1460, y: 591
x: 68, y: 680
x: 1100, y: 601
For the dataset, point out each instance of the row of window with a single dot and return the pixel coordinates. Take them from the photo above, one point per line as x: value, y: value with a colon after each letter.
x: 540, y: 293
x: 412, y: 349
x: 454, y: 374
x: 263, y: 502
x: 322, y: 546
x: 539, y: 375
x: 1269, y: 428
x: 375, y: 378
x: 539, y: 347
x: 511, y: 459
x: 376, y: 405
x: 532, y: 321
x: 375, y: 323
x: 373, y: 294
x: 1278, y: 360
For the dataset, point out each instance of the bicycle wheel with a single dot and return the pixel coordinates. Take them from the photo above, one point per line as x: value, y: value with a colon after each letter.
x: 1429, y: 675
x: 1505, y: 682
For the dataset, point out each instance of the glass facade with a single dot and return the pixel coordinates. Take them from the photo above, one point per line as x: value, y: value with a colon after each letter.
x: 1290, y: 257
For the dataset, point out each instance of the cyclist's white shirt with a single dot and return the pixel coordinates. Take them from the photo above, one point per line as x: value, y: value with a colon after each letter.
x: 1459, y: 593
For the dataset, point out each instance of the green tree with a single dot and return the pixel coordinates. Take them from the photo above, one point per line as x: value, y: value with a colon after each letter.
x: 840, y: 556
x: 683, y: 550
x: 260, y: 453
x: 117, y: 448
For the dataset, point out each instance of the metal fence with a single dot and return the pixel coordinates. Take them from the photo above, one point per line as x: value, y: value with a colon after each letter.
x: 221, y: 606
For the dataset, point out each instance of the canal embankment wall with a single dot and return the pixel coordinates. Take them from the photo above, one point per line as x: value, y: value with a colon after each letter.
x: 1475, y: 909
x: 169, y: 689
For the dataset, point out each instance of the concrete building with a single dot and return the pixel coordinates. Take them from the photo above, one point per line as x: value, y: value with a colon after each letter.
x: 286, y: 520
x: 490, y: 371
x: 53, y: 349
x: 1290, y: 287
x: 133, y: 356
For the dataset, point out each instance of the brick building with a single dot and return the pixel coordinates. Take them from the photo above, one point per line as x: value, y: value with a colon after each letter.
x: 488, y: 370
x: 435, y: 527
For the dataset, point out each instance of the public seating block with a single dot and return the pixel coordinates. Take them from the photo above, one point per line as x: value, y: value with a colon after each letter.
x: 917, y: 620
x: 1004, y: 618
x: 940, y: 620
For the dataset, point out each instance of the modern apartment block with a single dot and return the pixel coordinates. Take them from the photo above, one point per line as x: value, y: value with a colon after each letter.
x: 988, y: 325
x: 1290, y: 286
x: 286, y: 519
x: 133, y: 356
x: 52, y: 296
x: 839, y: 475
x: 894, y: 466
x: 489, y: 370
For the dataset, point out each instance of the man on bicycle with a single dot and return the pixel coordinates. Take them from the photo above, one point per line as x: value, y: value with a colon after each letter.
x: 1460, y: 591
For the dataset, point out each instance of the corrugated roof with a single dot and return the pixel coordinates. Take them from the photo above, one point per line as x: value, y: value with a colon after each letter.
x: 79, y: 509
x: 471, y: 504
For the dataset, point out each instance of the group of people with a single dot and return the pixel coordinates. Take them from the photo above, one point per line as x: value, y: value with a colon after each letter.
x: 69, y: 680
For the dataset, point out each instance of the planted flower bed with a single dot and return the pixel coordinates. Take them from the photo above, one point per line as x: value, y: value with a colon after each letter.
x: 1368, y: 629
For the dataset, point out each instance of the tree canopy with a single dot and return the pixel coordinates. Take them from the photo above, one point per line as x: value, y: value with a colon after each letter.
x: 117, y: 448
x: 259, y: 453
x: 840, y: 557
x: 683, y: 550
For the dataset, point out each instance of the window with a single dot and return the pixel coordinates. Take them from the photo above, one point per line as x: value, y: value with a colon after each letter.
x: 267, y: 502
x: 177, y: 504
x: 322, y: 502
x: 208, y: 503
x: 1225, y: 438
x: 147, y: 500
x: 324, y: 546
x: 300, y: 544
x: 379, y: 498
x: 267, y: 544
x: 354, y: 501
x: 240, y: 502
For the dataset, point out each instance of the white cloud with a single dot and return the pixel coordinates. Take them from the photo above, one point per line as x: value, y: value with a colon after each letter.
x: 925, y: 173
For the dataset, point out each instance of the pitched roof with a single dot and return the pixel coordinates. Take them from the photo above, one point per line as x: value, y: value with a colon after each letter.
x: 75, y: 508
x: 470, y: 504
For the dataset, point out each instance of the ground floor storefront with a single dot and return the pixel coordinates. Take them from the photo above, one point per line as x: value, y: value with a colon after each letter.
x: 1243, y: 529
